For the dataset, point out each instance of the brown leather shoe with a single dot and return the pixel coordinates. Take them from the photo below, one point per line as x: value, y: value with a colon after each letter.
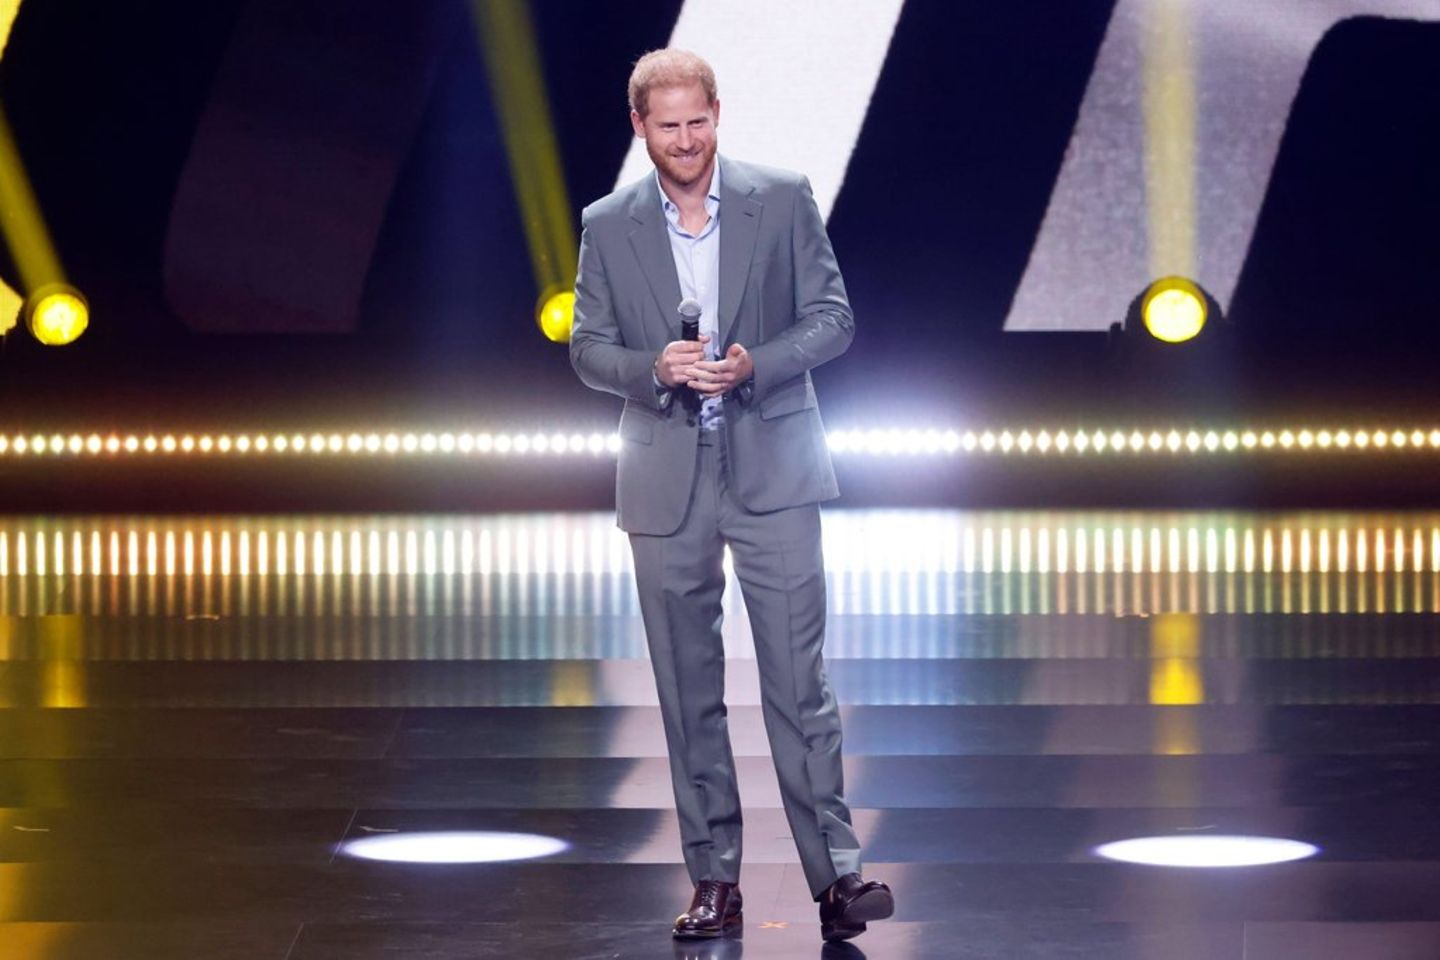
x: 849, y: 903
x: 714, y: 911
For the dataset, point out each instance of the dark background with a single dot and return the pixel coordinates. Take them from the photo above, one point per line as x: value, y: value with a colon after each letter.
x: 1336, y: 316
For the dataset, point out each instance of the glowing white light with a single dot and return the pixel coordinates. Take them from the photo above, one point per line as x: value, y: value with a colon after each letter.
x: 1206, y: 851
x: 455, y: 847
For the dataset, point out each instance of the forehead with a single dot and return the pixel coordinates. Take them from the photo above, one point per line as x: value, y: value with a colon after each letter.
x: 677, y: 103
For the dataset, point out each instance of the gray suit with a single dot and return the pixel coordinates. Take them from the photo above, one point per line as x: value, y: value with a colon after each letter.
x: 757, y: 490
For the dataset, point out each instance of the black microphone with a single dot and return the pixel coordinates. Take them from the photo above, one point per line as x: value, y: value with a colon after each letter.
x: 690, y: 311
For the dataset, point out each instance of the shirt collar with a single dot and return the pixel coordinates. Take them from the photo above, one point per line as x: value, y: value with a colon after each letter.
x: 712, y: 195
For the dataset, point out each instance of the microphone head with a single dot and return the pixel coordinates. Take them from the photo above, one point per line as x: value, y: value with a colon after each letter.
x: 690, y: 308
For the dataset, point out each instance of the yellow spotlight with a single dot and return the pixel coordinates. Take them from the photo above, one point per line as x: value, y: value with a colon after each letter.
x: 58, y: 315
x: 556, y: 313
x: 1173, y: 309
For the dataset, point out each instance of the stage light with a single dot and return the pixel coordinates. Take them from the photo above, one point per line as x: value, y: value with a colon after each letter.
x: 187, y: 443
x: 455, y: 847
x: 57, y: 314
x: 1204, y: 851
x: 555, y: 315
x: 1174, y: 309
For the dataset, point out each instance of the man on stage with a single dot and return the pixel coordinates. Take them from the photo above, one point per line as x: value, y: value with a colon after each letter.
x: 722, y: 444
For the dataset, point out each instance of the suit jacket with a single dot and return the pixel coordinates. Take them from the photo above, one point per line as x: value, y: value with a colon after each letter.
x: 781, y: 296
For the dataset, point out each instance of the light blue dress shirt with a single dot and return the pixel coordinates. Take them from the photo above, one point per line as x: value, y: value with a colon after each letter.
x: 697, y: 264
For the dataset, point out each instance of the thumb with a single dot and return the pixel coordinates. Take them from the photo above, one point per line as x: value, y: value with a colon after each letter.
x: 735, y: 350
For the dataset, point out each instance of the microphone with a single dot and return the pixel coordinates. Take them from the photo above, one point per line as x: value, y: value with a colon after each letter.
x: 690, y: 311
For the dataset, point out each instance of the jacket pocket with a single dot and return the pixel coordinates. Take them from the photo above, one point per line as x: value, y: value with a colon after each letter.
x: 637, y: 425
x: 793, y: 397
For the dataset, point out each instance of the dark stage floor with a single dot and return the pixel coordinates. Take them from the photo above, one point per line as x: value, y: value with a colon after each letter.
x: 197, y: 714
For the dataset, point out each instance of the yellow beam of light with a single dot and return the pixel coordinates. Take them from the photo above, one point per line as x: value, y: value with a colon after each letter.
x: 8, y: 11
x: 1168, y: 78
x: 512, y: 60
x: 20, y: 219
x: 11, y: 302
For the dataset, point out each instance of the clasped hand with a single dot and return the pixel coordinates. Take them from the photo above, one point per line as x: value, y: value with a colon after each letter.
x: 683, y: 363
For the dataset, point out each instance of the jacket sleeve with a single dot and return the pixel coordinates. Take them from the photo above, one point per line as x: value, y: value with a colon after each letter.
x: 597, y: 349
x: 824, y: 324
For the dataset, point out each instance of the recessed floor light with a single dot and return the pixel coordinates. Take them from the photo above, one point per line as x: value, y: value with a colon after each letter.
x: 1206, y: 851
x: 455, y: 847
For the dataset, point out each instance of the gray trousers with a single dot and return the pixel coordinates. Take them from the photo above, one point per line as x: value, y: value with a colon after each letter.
x: 778, y: 561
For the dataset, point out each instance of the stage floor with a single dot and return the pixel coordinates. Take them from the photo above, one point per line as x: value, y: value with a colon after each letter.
x: 197, y: 715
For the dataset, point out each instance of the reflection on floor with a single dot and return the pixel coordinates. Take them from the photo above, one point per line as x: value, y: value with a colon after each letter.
x: 197, y: 713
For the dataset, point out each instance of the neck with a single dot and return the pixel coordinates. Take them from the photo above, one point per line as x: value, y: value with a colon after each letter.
x: 689, y: 198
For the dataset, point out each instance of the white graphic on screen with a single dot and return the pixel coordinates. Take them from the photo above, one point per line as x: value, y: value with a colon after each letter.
x: 1188, y: 100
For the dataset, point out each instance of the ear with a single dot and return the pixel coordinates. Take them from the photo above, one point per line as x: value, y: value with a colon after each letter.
x: 637, y: 124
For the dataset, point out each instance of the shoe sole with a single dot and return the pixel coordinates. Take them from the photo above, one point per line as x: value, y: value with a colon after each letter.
x: 874, y: 905
x: 728, y: 927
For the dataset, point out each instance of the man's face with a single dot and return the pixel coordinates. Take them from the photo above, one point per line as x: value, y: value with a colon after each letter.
x: 679, y: 132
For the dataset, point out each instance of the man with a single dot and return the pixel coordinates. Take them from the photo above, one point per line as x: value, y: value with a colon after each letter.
x: 722, y: 444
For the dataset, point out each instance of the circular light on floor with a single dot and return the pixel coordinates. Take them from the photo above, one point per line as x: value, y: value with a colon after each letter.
x: 1206, y: 851
x: 455, y: 847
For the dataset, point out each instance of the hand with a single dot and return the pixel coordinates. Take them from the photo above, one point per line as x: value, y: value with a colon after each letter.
x: 676, y: 364
x: 714, y: 378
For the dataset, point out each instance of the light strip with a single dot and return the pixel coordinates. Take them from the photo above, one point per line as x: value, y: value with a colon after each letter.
x: 1128, y: 442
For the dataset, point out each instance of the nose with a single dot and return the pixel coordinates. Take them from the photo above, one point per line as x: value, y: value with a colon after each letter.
x: 683, y: 140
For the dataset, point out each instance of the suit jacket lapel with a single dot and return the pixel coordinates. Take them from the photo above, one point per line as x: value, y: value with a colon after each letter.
x: 651, y: 243
x: 739, y: 226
